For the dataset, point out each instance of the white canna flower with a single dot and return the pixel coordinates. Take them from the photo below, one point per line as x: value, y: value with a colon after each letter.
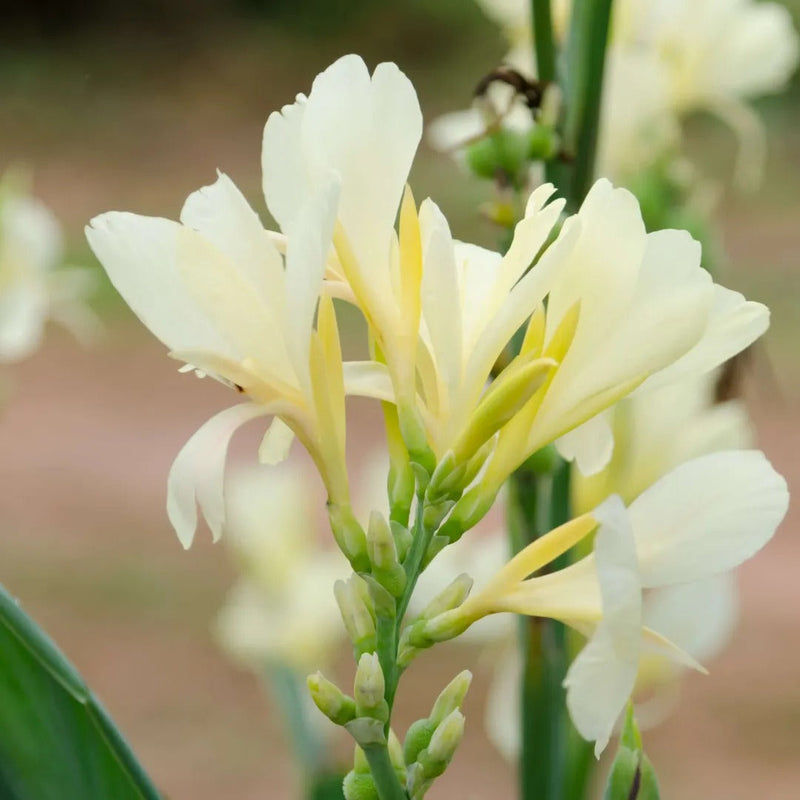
x: 442, y: 311
x: 282, y: 610
x: 33, y: 289
x: 214, y: 288
x: 701, y: 520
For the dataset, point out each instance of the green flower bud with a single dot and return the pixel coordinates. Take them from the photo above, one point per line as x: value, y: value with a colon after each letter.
x: 359, y: 786
x: 331, y: 700
x: 396, y: 753
x: 369, y: 688
x: 632, y: 776
x: 349, y: 536
x: 467, y: 512
x: 418, y: 737
x: 402, y: 539
x: 382, y: 551
x: 358, y: 617
x: 432, y: 515
x: 401, y: 485
x: 452, y: 596
x: 543, y: 461
x: 543, y: 143
x: 451, y: 697
x: 501, y: 155
x: 381, y: 599
x: 443, y: 744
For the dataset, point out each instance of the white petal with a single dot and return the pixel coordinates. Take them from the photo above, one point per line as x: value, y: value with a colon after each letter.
x: 734, y: 324
x: 590, y: 445
x: 285, y: 167
x: 309, y: 235
x: 276, y: 443
x: 197, y: 474
x: 601, y: 679
x: 707, y: 516
x: 23, y: 312
x: 140, y: 255
x: 455, y: 130
x: 440, y: 279
x: 368, y: 379
x: 698, y: 617
x: 502, y: 716
x: 222, y: 215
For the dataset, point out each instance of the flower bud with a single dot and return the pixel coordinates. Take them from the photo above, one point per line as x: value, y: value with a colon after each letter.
x: 418, y: 737
x: 359, y: 786
x: 369, y: 688
x: 382, y: 551
x: 468, y: 512
x: 500, y: 155
x: 452, y: 596
x: 443, y: 745
x: 330, y: 700
x: 349, y: 535
x: 451, y: 697
x: 433, y: 514
x: 543, y: 143
x: 353, y: 596
x: 402, y: 539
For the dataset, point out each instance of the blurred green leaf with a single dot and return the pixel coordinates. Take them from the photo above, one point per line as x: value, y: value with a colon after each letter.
x: 56, y: 739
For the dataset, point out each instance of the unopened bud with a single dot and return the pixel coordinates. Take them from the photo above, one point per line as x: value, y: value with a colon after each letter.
x: 422, y: 458
x: 331, y: 700
x: 396, y: 753
x: 443, y: 745
x: 451, y: 697
x: 452, y: 596
x: 359, y: 786
x: 467, y: 512
x: 402, y: 539
x: 433, y: 514
x: 352, y: 596
x: 446, y: 479
x: 349, y: 535
x: 543, y: 143
x: 401, y: 485
x: 369, y: 688
x: 382, y: 551
x: 418, y: 737
x: 500, y: 155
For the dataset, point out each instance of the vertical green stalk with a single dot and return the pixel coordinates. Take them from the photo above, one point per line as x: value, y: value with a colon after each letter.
x: 543, y: 41
x: 585, y: 66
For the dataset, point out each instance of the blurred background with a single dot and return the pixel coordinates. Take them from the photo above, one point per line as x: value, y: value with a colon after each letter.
x: 131, y: 106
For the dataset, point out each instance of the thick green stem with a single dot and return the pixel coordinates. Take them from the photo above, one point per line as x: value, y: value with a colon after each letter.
x: 543, y: 42
x: 586, y: 57
x: 386, y: 780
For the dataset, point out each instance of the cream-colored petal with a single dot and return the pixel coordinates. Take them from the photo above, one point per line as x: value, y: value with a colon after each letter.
x: 368, y: 379
x: 286, y: 168
x: 707, y: 516
x: 140, y: 255
x: 221, y: 214
x: 197, y: 474
x: 589, y: 445
x: 310, y: 234
x: 440, y: 279
x: 600, y: 680
x: 733, y: 325
x: 699, y: 617
x: 277, y: 442
x: 23, y: 312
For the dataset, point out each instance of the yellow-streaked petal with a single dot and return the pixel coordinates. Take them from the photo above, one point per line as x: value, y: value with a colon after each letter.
x: 410, y: 266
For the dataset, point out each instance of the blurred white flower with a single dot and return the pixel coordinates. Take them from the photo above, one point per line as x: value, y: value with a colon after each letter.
x: 282, y: 610
x: 33, y: 287
x: 666, y: 58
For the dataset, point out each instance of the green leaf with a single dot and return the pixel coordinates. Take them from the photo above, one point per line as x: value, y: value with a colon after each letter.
x: 56, y: 739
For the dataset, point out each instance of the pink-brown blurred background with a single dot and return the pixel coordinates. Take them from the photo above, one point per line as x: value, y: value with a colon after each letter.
x: 116, y: 109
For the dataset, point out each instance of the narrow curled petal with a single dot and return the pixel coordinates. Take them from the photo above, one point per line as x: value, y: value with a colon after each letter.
x: 602, y: 677
x: 707, y: 516
x: 368, y: 379
x: 276, y: 443
x: 198, y: 472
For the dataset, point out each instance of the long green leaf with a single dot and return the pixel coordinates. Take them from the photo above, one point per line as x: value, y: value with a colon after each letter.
x: 57, y: 742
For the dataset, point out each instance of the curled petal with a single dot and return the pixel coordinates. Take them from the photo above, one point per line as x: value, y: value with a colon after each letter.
x: 198, y: 473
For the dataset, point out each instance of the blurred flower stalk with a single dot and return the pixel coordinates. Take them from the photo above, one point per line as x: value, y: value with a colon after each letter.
x: 554, y: 371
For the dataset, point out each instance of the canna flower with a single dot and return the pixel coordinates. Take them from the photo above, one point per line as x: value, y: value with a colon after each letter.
x: 281, y: 610
x: 32, y: 288
x: 702, y: 519
x: 216, y: 291
x: 441, y: 311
